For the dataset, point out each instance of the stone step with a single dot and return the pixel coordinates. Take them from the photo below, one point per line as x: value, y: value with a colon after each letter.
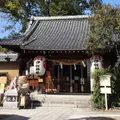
x: 62, y: 97
x: 67, y: 105
x: 70, y: 101
x: 67, y: 102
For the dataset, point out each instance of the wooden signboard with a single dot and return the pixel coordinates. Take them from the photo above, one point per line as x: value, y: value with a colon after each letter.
x: 40, y: 80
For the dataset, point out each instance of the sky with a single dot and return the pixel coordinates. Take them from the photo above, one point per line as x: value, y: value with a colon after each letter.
x: 113, y: 2
x: 4, y: 21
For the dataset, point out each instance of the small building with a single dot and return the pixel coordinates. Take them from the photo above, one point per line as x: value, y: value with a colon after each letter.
x: 9, y: 68
x: 9, y: 65
x: 61, y: 44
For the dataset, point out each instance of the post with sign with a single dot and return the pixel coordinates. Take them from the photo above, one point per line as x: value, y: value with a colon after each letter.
x: 105, y: 84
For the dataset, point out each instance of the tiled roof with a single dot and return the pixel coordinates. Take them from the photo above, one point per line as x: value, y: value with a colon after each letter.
x: 4, y: 57
x: 15, y: 41
x: 54, y: 33
x: 58, y: 33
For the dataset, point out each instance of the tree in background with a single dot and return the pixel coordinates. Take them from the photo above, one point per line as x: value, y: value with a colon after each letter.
x: 68, y: 7
x: 93, y: 4
x: 103, y: 25
x: 21, y: 10
x: 104, y: 36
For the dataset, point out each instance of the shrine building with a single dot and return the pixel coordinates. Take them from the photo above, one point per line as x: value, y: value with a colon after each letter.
x: 53, y: 54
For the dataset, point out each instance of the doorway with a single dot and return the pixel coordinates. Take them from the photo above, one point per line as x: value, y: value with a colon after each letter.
x: 71, y: 78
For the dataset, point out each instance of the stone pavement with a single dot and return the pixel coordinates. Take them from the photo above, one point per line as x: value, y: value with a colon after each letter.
x: 42, y: 113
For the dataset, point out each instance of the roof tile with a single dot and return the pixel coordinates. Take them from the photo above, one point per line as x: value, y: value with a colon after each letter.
x: 54, y: 33
x: 59, y: 34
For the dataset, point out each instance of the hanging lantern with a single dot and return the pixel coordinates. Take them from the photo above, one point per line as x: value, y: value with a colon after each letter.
x: 96, y: 62
x: 96, y: 57
x: 39, y: 65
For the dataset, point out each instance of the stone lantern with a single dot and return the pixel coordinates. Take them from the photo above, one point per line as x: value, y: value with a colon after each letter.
x: 10, y: 98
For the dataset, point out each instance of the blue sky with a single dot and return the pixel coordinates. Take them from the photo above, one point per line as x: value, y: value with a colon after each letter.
x: 4, y: 21
x: 113, y: 2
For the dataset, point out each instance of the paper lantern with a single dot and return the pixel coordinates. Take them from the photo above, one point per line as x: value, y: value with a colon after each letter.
x: 39, y: 65
x: 96, y: 62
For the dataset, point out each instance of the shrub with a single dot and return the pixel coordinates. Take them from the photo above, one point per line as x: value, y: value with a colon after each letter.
x: 97, y: 97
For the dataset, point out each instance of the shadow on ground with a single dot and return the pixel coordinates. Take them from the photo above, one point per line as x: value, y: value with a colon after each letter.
x: 35, y: 104
x: 12, y: 117
x: 94, y: 118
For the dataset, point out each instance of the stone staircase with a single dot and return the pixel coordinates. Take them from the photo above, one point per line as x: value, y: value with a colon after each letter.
x: 70, y: 101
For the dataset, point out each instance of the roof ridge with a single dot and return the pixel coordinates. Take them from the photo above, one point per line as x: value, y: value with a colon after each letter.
x: 27, y: 42
x: 27, y: 35
x: 60, y: 17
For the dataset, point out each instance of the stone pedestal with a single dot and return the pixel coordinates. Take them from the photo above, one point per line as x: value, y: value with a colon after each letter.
x: 11, y: 98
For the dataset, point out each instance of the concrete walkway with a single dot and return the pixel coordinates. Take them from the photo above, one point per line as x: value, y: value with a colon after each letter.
x: 42, y: 113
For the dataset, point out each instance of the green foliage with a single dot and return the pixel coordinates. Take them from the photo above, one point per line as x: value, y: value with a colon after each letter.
x: 68, y: 7
x: 115, y: 79
x: 98, y: 98
x: 103, y: 24
x: 20, y: 10
x: 5, y: 50
x: 93, y: 4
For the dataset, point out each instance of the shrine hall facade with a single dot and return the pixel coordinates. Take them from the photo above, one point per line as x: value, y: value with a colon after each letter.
x: 61, y: 44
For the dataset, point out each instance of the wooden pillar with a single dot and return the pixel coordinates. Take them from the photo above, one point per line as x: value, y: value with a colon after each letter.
x: 82, y: 78
x: 21, y: 64
x: 71, y: 87
x: 88, y: 74
x: 58, y: 85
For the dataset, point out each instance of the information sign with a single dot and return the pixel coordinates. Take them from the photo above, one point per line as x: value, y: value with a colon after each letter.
x: 105, y: 80
x: 105, y: 90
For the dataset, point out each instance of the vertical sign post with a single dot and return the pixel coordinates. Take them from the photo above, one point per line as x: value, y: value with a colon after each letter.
x: 106, y: 103
x: 105, y: 87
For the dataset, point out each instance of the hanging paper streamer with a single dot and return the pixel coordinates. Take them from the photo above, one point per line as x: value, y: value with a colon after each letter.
x: 74, y: 67
x: 26, y: 72
x: 31, y: 69
x: 84, y: 65
x: 61, y: 65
